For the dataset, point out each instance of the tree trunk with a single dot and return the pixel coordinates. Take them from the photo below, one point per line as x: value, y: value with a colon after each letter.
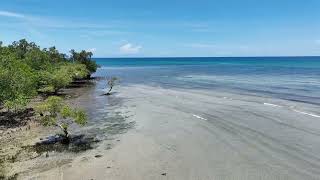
x: 109, y: 92
x: 66, y: 139
x: 55, y: 91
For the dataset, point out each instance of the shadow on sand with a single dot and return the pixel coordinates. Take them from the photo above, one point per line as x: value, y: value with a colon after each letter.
x: 13, y: 120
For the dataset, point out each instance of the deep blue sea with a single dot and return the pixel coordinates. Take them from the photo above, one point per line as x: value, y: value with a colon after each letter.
x: 291, y: 78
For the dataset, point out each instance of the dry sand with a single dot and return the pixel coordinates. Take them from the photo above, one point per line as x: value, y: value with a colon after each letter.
x: 198, y: 134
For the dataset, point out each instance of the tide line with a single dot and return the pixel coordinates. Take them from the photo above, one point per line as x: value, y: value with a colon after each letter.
x: 292, y: 108
x: 274, y: 105
x: 199, y: 117
x: 305, y: 113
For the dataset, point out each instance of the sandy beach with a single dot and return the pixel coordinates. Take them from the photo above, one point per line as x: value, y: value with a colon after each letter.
x: 202, y: 134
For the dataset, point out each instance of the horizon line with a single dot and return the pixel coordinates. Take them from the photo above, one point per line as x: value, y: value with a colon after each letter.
x: 156, y: 57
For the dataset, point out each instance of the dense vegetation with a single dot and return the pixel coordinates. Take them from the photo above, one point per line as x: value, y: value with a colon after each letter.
x: 27, y: 70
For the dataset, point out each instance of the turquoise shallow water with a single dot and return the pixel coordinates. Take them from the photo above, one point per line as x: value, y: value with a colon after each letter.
x: 291, y: 78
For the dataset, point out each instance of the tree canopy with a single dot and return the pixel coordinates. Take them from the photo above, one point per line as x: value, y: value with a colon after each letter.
x: 26, y: 70
x: 84, y: 57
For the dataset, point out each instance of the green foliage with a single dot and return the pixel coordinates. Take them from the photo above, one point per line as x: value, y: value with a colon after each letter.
x: 16, y: 104
x: 84, y: 57
x: 66, y: 112
x: 21, y: 47
x: 47, y: 89
x: 37, y: 59
x: 55, y: 112
x: 80, y: 117
x: 76, y: 70
x: 54, y: 55
x: 53, y: 80
x: 26, y: 69
x: 60, y: 78
x: 17, y: 82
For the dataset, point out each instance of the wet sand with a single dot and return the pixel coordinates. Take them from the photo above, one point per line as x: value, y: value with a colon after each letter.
x: 202, y: 134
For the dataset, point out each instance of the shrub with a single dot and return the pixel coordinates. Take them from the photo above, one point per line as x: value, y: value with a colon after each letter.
x: 54, y: 112
x: 17, y: 82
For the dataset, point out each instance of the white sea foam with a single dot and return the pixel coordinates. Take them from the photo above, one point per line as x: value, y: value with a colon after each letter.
x: 301, y: 112
x: 227, y: 98
x: 199, y: 117
x: 306, y: 113
x: 274, y: 105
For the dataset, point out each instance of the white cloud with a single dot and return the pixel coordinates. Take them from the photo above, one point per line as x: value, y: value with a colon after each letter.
x: 49, y: 22
x: 11, y: 14
x: 129, y: 48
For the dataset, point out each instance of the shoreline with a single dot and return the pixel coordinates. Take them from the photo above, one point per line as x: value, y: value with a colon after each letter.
x: 198, y: 134
x: 157, y: 133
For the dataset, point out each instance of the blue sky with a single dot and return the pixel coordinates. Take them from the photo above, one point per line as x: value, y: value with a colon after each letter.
x: 144, y: 28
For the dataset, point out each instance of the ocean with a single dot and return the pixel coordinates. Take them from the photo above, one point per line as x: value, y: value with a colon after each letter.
x: 289, y: 78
